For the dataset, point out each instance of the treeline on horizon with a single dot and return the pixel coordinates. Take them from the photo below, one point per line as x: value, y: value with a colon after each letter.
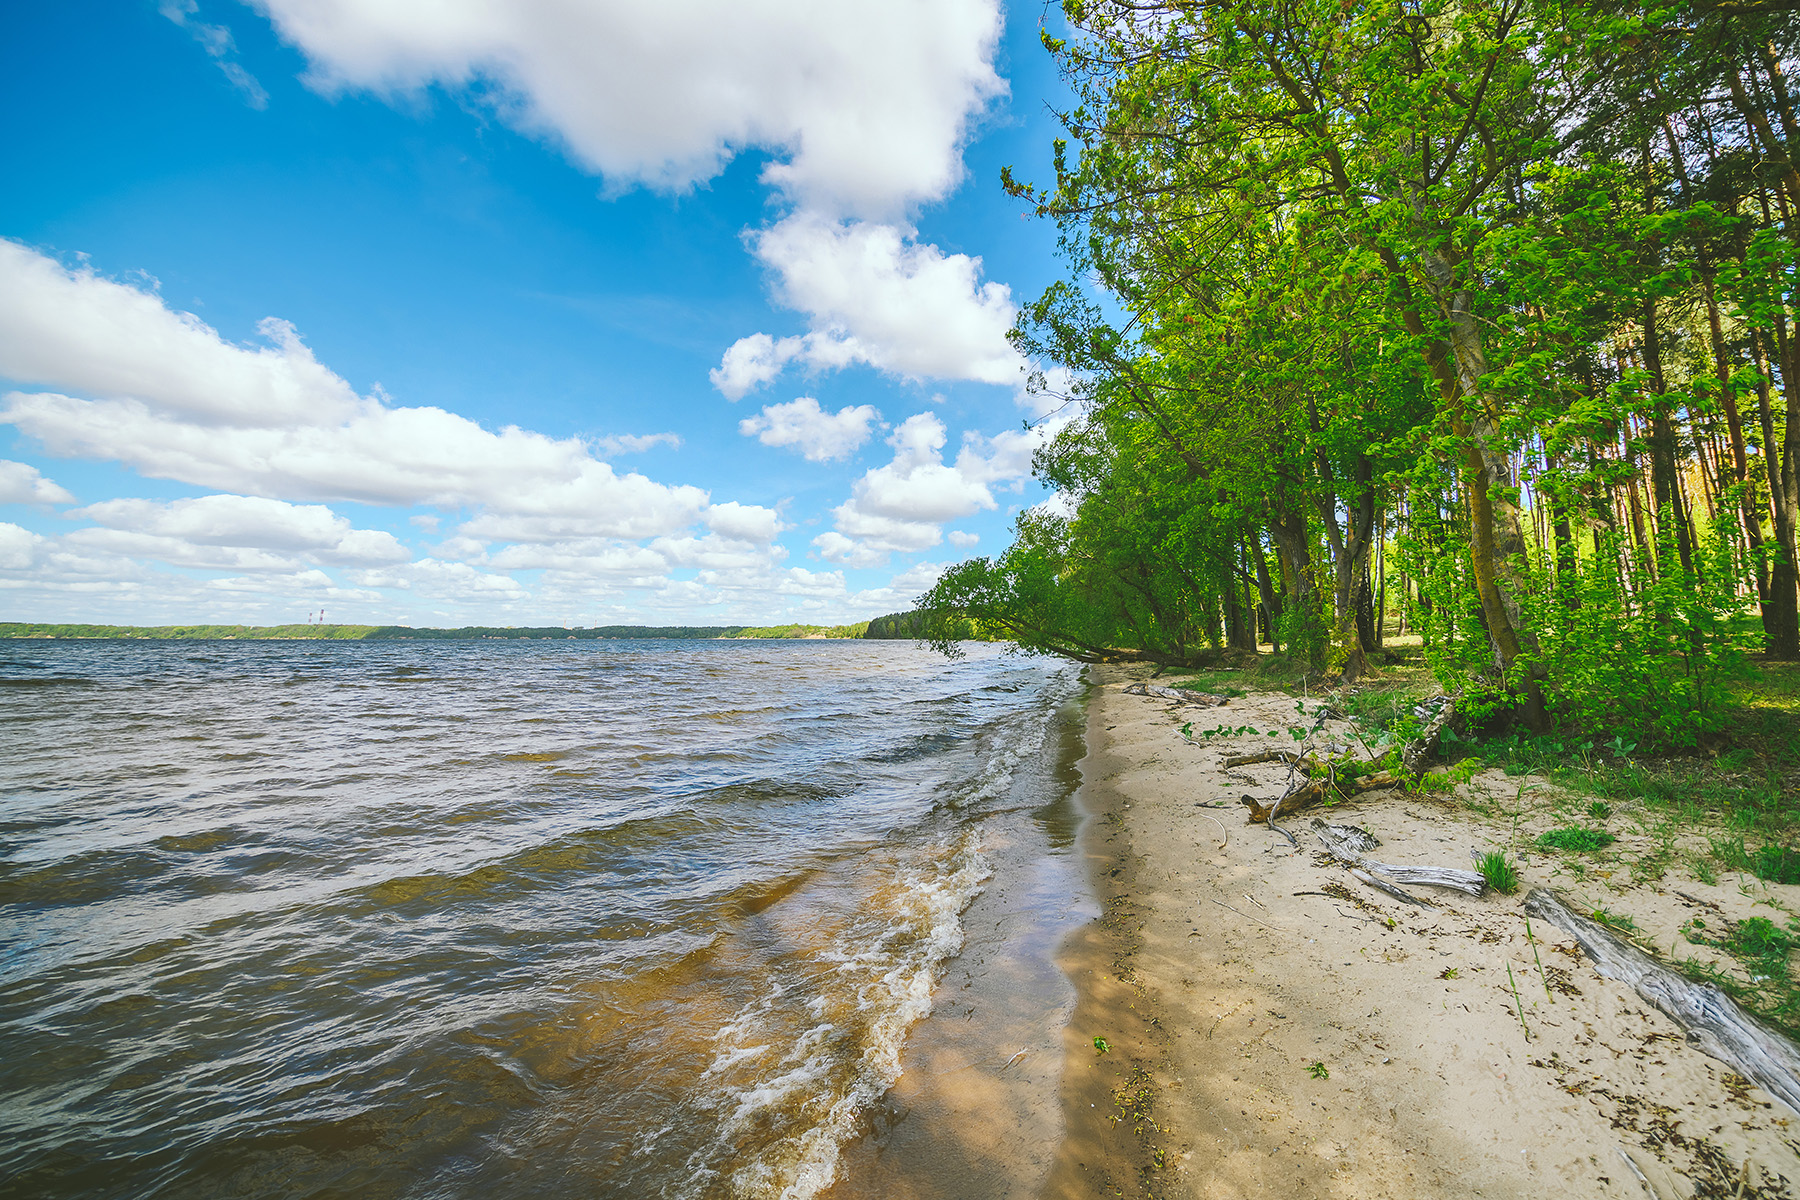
x: 1469, y: 318
x: 378, y: 633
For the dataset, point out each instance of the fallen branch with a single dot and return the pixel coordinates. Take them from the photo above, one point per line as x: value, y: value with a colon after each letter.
x: 1397, y: 893
x: 1178, y: 695
x: 1714, y: 1023
x: 1245, y: 760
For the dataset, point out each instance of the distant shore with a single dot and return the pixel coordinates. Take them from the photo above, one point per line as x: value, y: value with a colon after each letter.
x: 382, y: 633
x: 1254, y: 1022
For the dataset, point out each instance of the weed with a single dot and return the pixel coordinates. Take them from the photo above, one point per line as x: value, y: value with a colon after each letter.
x: 1518, y: 1005
x: 1577, y: 839
x: 1599, y: 810
x: 1448, y: 973
x: 1501, y: 875
x: 1319, y: 1071
x: 1101, y: 1045
x: 1620, y: 921
x: 1703, y: 870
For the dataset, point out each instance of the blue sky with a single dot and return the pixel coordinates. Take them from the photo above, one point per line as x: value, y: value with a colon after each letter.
x: 512, y: 311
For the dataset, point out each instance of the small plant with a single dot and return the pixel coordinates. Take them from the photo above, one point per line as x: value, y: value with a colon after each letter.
x: 1703, y: 871
x: 1187, y: 731
x: 1518, y: 1005
x: 1501, y: 875
x: 1614, y: 920
x: 1319, y: 1071
x: 1576, y: 839
x: 1101, y: 1045
x: 1448, y: 973
x: 1599, y: 810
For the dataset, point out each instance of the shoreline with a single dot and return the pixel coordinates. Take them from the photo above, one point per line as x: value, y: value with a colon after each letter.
x: 1272, y: 1027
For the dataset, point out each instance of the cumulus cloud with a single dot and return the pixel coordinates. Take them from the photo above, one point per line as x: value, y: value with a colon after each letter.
x: 961, y: 539
x: 865, y: 106
x: 902, y: 506
x: 440, y: 580
x: 77, y: 330
x: 176, y: 401
x: 176, y: 531
x: 818, y: 435
x: 21, y: 483
x: 744, y: 522
x: 874, y: 296
x: 18, y: 546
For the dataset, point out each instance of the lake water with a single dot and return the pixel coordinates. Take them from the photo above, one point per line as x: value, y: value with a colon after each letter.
x: 495, y: 918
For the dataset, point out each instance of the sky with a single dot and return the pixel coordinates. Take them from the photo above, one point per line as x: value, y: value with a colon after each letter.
x: 513, y: 312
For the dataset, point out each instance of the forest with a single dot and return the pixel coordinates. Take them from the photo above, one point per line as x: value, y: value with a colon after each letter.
x: 1470, y: 322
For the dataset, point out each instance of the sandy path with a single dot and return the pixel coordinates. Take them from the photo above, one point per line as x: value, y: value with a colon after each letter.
x: 1219, y: 977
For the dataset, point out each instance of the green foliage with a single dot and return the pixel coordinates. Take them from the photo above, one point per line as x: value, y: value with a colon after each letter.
x: 1649, y: 664
x: 1500, y: 874
x: 1319, y: 1070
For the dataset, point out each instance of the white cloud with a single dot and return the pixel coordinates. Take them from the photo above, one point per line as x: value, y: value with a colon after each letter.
x: 875, y: 296
x: 744, y: 522
x: 217, y: 41
x: 21, y: 483
x: 902, y: 506
x: 865, y: 105
x: 181, y: 531
x: 634, y: 443
x: 176, y: 401
x: 74, y: 329
x: 18, y: 546
x: 818, y: 435
x: 962, y: 540
x: 441, y: 580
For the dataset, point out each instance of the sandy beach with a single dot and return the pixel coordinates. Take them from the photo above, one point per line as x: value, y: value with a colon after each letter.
x: 1252, y: 1021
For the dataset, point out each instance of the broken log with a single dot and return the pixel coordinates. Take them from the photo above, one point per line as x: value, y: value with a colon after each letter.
x: 1397, y: 893
x: 1352, y: 837
x: 1178, y: 695
x: 1714, y: 1023
x: 1339, y: 842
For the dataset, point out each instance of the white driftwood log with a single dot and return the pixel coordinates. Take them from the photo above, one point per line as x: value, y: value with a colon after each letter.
x: 1178, y: 695
x: 1715, y: 1024
x: 1342, y: 846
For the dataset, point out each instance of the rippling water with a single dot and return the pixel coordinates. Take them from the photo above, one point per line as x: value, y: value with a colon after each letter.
x: 497, y: 918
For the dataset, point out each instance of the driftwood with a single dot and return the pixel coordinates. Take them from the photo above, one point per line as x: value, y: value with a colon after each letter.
x: 1178, y: 695
x: 1342, y: 844
x: 1245, y: 760
x: 1312, y: 791
x: 1396, y: 892
x: 1351, y: 837
x: 1715, y: 1024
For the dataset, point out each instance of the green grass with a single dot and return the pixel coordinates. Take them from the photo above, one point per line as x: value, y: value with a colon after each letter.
x: 1575, y: 838
x: 1500, y: 874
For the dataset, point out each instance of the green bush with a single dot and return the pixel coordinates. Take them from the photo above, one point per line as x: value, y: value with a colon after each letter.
x: 1649, y: 665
